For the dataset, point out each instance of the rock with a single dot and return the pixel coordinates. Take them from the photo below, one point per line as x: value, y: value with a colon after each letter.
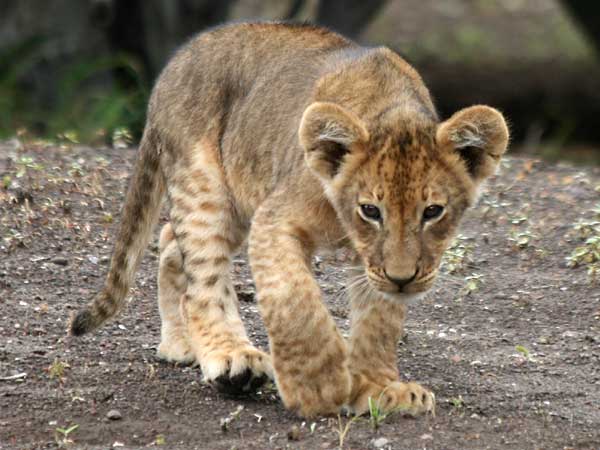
x: 294, y: 433
x: 114, y: 414
x: 543, y: 340
x: 60, y: 261
x: 380, y: 442
x: 570, y: 334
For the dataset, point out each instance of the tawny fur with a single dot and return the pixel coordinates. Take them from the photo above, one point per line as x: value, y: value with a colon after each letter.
x: 280, y: 133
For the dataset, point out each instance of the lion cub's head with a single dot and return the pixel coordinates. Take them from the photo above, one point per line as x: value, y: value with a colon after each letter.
x: 400, y: 190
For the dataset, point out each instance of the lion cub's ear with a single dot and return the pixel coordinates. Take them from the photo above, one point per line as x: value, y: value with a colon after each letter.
x: 327, y: 133
x: 480, y: 136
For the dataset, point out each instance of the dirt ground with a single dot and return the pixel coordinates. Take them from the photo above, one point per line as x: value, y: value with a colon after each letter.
x: 509, y: 340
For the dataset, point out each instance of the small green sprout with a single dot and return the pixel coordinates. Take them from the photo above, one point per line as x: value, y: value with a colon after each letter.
x: 523, y: 351
x: 589, y: 253
x: 62, y: 435
x: 376, y: 413
x: 473, y: 283
x: 76, y: 170
x: 225, y: 422
x: 458, y: 256
x: 122, y: 137
x: 68, y: 137
x: 457, y: 402
x: 342, y: 429
x: 24, y: 163
x: 519, y: 220
x: 57, y: 369
x: 522, y: 239
x: 584, y: 228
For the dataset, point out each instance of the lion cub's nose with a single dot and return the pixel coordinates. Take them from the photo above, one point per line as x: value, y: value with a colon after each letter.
x: 400, y: 281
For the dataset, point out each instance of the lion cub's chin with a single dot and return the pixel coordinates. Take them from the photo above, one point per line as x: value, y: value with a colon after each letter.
x: 403, y: 297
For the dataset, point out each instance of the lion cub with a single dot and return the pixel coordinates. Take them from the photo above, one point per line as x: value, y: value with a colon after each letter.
x: 302, y: 140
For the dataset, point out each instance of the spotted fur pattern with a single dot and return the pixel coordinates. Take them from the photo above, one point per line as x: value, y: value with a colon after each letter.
x: 280, y: 134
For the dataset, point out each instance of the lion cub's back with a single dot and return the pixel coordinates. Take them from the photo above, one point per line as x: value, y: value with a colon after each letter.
x: 219, y: 70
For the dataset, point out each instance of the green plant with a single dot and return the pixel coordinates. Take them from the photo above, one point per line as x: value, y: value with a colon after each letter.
x: 25, y: 163
x: 62, y: 435
x: 225, y: 422
x: 522, y: 239
x: 492, y: 204
x: 457, y: 402
x: 342, y: 429
x: 377, y: 414
x: 458, y: 256
x: 57, y: 369
x: 588, y: 253
x: 584, y: 228
x: 473, y: 283
x: 122, y: 137
x: 524, y: 352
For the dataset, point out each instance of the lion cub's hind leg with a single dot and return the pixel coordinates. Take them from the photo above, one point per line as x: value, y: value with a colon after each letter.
x: 174, y: 343
x: 208, y: 234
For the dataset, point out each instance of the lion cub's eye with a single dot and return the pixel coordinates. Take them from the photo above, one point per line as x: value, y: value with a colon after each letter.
x: 371, y: 212
x: 432, y: 212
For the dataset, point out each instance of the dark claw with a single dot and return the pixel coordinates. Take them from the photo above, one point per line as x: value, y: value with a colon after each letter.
x: 243, y: 383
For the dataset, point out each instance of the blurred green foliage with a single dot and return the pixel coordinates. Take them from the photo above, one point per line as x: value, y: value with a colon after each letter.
x: 90, y: 103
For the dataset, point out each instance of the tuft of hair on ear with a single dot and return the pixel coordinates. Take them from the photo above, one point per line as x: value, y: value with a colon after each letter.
x: 327, y: 133
x: 479, y: 135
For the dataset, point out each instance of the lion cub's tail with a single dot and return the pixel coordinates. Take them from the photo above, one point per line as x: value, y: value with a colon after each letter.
x: 140, y: 213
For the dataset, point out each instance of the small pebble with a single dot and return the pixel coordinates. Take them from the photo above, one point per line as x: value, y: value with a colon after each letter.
x: 569, y: 334
x: 114, y: 414
x: 380, y: 442
x: 543, y: 340
x: 294, y: 433
x: 60, y: 261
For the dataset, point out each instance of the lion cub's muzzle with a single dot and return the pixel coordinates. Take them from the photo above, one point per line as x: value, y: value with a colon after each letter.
x: 413, y: 285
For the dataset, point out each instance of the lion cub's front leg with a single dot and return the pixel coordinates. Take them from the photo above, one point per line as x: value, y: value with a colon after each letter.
x: 309, y: 354
x: 377, y: 326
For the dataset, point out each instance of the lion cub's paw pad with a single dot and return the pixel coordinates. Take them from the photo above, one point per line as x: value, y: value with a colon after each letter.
x: 238, y: 372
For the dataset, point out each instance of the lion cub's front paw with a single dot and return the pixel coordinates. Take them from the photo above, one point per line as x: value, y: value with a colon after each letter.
x: 313, y: 395
x: 236, y: 371
x: 407, y: 398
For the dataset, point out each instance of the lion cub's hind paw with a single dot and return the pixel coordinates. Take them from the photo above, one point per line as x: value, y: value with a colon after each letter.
x: 175, y: 351
x: 239, y: 372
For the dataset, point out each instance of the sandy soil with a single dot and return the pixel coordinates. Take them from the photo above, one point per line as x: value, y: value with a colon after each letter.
x: 509, y: 340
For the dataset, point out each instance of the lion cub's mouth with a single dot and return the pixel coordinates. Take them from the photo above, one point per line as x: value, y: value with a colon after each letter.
x: 418, y: 286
